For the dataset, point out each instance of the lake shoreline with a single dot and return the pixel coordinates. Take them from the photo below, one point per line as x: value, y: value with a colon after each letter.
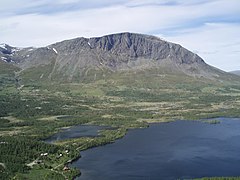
x: 113, y: 141
x: 69, y: 163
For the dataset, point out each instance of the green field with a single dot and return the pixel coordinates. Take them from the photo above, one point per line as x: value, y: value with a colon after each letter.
x: 33, y: 112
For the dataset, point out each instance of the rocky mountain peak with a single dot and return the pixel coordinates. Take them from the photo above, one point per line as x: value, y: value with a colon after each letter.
x: 126, y: 47
x: 76, y: 58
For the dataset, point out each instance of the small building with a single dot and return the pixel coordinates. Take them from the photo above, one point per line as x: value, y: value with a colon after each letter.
x: 43, y: 154
x: 66, y: 168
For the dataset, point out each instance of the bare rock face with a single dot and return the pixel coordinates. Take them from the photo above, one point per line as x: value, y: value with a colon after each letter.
x: 111, y: 50
x: 142, y: 46
x: 121, y: 52
x: 125, y: 47
x: 116, y: 52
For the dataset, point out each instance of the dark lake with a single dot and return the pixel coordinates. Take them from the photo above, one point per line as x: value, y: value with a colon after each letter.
x: 176, y: 150
x: 76, y: 132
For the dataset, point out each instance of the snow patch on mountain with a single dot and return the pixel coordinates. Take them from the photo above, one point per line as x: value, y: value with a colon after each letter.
x: 4, y: 59
x: 55, y: 50
x: 3, y: 46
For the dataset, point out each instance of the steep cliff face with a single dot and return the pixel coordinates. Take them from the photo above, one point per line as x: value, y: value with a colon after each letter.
x: 79, y: 58
x: 143, y: 46
x: 124, y: 51
x: 118, y: 50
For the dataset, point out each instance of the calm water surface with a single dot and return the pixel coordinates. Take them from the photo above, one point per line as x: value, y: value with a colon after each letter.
x: 76, y: 132
x: 177, y: 150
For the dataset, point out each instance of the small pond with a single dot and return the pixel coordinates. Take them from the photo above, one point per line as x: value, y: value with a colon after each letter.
x: 76, y: 132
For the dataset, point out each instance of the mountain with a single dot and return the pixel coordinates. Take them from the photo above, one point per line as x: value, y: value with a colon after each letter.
x: 235, y: 72
x: 90, y: 59
x: 123, y: 81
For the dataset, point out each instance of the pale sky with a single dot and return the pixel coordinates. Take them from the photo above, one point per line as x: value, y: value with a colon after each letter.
x: 210, y: 28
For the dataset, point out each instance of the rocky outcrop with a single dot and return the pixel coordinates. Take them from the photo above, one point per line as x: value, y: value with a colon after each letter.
x: 143, y: 46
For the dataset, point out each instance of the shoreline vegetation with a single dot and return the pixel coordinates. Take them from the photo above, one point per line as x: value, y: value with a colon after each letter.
x: 37, y: 111
x: 212, y: 121
x: 96, y: 143
x: 219, y: 178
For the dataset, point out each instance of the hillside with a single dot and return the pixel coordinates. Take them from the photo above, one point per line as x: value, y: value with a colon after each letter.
x: 235, y: 72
